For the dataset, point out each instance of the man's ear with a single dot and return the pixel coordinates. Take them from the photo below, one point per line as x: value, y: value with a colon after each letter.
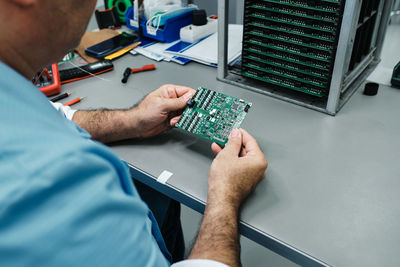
x: 23, y: 3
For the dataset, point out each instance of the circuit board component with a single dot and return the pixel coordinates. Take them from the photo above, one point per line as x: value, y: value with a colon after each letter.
x: 212, y: 115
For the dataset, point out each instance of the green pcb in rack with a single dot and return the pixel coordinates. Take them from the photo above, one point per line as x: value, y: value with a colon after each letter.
x: 291, y: 44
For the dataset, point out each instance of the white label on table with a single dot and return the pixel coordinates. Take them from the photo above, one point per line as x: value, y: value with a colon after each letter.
x: 164, y: 176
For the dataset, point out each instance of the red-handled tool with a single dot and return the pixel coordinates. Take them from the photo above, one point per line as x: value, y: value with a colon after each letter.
x: 129, y: 71
x: 76, y: 100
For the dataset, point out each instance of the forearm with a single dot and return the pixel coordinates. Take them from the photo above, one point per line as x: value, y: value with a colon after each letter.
x: 107, y: 125
x: 218, y: 237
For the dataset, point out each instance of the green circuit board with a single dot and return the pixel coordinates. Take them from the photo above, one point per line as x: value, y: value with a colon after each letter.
x: 212, y: 115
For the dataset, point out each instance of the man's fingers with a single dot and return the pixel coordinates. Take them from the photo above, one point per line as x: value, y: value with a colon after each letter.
x: 175, y: 91
x: 250, y: 144
x: 253, y: 150
x: 234, y: 143
x: 175, y: 104
x: 170, y: 91
x: 216, y: 148
x: 243, y: 152
x: 181, y: 90
x: 174, y: 120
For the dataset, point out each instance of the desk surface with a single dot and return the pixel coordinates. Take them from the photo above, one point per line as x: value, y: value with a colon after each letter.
x: 332, y: 191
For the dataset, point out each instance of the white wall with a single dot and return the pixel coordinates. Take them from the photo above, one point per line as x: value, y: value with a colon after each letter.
x: 235, y: 10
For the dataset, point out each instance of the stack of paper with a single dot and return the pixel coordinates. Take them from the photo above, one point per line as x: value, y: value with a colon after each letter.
x: 206, y: 50
x: 156, y: 51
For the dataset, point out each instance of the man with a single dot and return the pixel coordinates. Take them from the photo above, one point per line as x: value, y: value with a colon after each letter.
x: 67, y: 200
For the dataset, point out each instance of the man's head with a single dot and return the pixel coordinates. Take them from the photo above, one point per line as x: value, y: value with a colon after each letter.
x: 35, y: 33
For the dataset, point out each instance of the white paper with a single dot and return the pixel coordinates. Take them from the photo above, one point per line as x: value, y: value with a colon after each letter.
x: 206, y: 51
x: 156, y: 50
x: 159, y: 48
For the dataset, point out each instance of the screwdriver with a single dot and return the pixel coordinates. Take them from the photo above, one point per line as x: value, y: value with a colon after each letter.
x: 57, y: 98
x: 76, y: 100
x: 129, y: 71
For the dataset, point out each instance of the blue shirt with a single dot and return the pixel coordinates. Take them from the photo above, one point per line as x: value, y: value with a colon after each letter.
x: 65, y: 200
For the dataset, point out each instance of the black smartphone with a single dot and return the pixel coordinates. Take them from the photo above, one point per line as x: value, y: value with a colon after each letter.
x: 111, y: 45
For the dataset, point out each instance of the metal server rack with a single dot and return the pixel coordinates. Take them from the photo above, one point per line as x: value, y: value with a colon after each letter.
x: 312, y: 53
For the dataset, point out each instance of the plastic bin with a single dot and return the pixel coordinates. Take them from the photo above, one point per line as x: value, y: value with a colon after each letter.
x: 130, y: 23
x: 168, y: 33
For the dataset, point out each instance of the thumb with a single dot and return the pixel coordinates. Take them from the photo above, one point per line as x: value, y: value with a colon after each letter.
x: 234, y: 144
x: 175, y: 104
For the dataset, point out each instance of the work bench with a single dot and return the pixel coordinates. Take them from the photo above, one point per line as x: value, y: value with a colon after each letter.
x: 332, y: 192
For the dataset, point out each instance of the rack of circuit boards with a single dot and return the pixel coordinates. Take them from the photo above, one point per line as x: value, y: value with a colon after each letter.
x: 291, y: 44
x: 312, y: 53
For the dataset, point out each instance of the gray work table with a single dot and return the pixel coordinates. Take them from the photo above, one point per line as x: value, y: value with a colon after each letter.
x: 332, y: 192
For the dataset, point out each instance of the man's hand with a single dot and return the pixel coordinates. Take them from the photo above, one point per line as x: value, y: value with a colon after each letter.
x: 237, y: 169
x: 234, y: 173
x: 161, y: 110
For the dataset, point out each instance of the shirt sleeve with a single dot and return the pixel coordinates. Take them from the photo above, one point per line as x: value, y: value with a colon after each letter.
x: 199, y: 263
x: 67, y: 111
x: 80, y: 209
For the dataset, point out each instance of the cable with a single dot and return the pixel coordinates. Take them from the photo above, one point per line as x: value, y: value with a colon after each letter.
x: 40, y: 75
x: 91, y: 74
